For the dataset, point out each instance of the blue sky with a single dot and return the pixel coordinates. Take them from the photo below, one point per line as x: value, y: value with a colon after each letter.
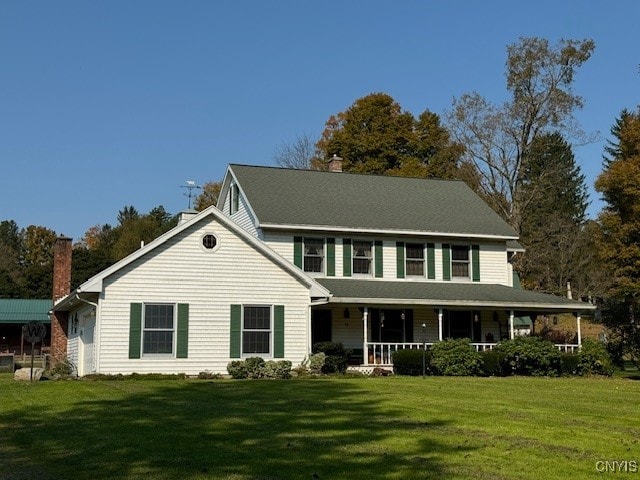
x: 107, y: 104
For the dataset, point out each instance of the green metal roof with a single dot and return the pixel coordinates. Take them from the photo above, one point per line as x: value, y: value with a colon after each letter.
x: 330, y: 200
x: 450, y: 294
x: 24, y: 311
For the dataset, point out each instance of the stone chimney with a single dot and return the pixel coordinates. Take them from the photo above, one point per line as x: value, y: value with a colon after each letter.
x: 61, y: 287
x: 335, y: 163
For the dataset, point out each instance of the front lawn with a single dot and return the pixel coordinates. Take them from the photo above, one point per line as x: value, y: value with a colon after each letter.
x: 331, y: 428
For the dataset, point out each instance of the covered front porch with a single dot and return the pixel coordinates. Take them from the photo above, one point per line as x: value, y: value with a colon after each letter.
x: 374, y: 328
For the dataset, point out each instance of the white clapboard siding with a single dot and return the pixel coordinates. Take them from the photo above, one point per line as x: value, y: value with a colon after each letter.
x: 281, y: 243
x: 243, y: 216
x: 494, y: 264
x: 182, y: 271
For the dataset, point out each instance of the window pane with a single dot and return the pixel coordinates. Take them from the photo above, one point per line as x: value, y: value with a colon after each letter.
x: 313, y: 246
x: 158, y: 341
x: 313, y: 264
x: 258, y: 318
x: 255, y: 342
x: 158, y: 316
x: 459, y: 252
x: 460, y: 269
x: 415, y: 250
x: 362, y: 265
x: 415, y: 267
x: 362, y: 249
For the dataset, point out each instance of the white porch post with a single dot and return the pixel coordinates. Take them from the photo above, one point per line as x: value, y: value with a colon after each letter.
x: 579, y: 332
x: 511, y: 333
x: 365, y: 349
x: 440, y: 324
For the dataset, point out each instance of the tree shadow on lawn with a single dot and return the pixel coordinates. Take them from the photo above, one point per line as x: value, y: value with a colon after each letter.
x: 227, y: 430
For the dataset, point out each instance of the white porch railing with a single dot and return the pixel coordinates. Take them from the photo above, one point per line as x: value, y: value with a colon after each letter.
x: 379, y: 353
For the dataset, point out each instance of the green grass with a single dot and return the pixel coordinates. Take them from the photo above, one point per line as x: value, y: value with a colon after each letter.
x: 336, y: 428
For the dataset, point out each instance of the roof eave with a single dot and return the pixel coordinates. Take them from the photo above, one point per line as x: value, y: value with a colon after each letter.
x: 332, y: 228
x: 541, y: 307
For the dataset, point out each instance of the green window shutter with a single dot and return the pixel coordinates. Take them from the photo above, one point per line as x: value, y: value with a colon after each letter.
x: 346, y: 257
x: 297, y: 251
x: 235, y: 336
x: 182, y: 343
x: 475, y: 263
x: 431, y: 261
x: 135, y: 329
x: 331, y: 257
x: 278, y: 331
x: 400, y: 259
x: 378, y: 258
x: 446, y: 261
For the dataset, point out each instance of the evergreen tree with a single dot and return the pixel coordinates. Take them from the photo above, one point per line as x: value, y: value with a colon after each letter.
x: 619, y: 239
x: 554, y: 205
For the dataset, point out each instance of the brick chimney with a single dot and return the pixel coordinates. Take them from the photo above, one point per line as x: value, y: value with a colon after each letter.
x: 335, y: 163
x: 61, y: 287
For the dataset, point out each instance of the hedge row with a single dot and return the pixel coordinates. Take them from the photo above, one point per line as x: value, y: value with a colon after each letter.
x: 521, y: 356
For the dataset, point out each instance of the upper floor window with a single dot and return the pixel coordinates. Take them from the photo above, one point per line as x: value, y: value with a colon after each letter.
x: 460, y: 261
x: 362, y: 257
x: 313, y: 255
x: 415, y: 259
x: 235, y: 199
x: 158, y: 328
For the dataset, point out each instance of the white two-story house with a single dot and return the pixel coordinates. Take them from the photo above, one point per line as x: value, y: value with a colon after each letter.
x: 293, y: 257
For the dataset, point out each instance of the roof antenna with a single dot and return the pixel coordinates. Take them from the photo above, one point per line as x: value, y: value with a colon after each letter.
x: 191, y: 186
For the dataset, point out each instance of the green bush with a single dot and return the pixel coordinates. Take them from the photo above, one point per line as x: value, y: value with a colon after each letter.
x: 594, y: 359
x: 316, y: 362
x: 277, y: 369
x: 455, y: 357
x: 409, y: 361
x: 569, y: 363
x: 237, y: 369
x: 529, y: 356
x: 336, y: 356
x: 492, y: 363
x: 256, y: 367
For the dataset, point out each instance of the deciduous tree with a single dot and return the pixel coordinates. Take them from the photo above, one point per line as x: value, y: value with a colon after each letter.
x: 497, y: 137
x: 374, y: 135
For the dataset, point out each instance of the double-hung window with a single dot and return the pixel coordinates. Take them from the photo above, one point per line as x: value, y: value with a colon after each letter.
x: 415, y: 259
x: 314, y: 255
x: 158, y: 329
x: 256, y: 330
x: 362, y: 258
x: 460, y: 261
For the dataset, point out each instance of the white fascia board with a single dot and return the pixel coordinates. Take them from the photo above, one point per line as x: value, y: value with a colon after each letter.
x: 226, y: 181
x: 352, y: 230
x: 462, y: 303
x: 95, y: 283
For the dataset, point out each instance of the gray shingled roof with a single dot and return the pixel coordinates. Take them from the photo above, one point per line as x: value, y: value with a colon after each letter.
x: 447, y: 294
x: 370, y: 202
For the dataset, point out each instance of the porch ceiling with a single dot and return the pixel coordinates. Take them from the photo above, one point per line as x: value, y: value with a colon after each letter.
x: 446, y: 294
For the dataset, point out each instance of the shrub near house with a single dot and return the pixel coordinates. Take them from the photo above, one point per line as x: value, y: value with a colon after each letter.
x: 529, y: 356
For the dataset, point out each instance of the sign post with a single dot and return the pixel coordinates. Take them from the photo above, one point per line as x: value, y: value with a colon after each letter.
x: 33, y: 333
